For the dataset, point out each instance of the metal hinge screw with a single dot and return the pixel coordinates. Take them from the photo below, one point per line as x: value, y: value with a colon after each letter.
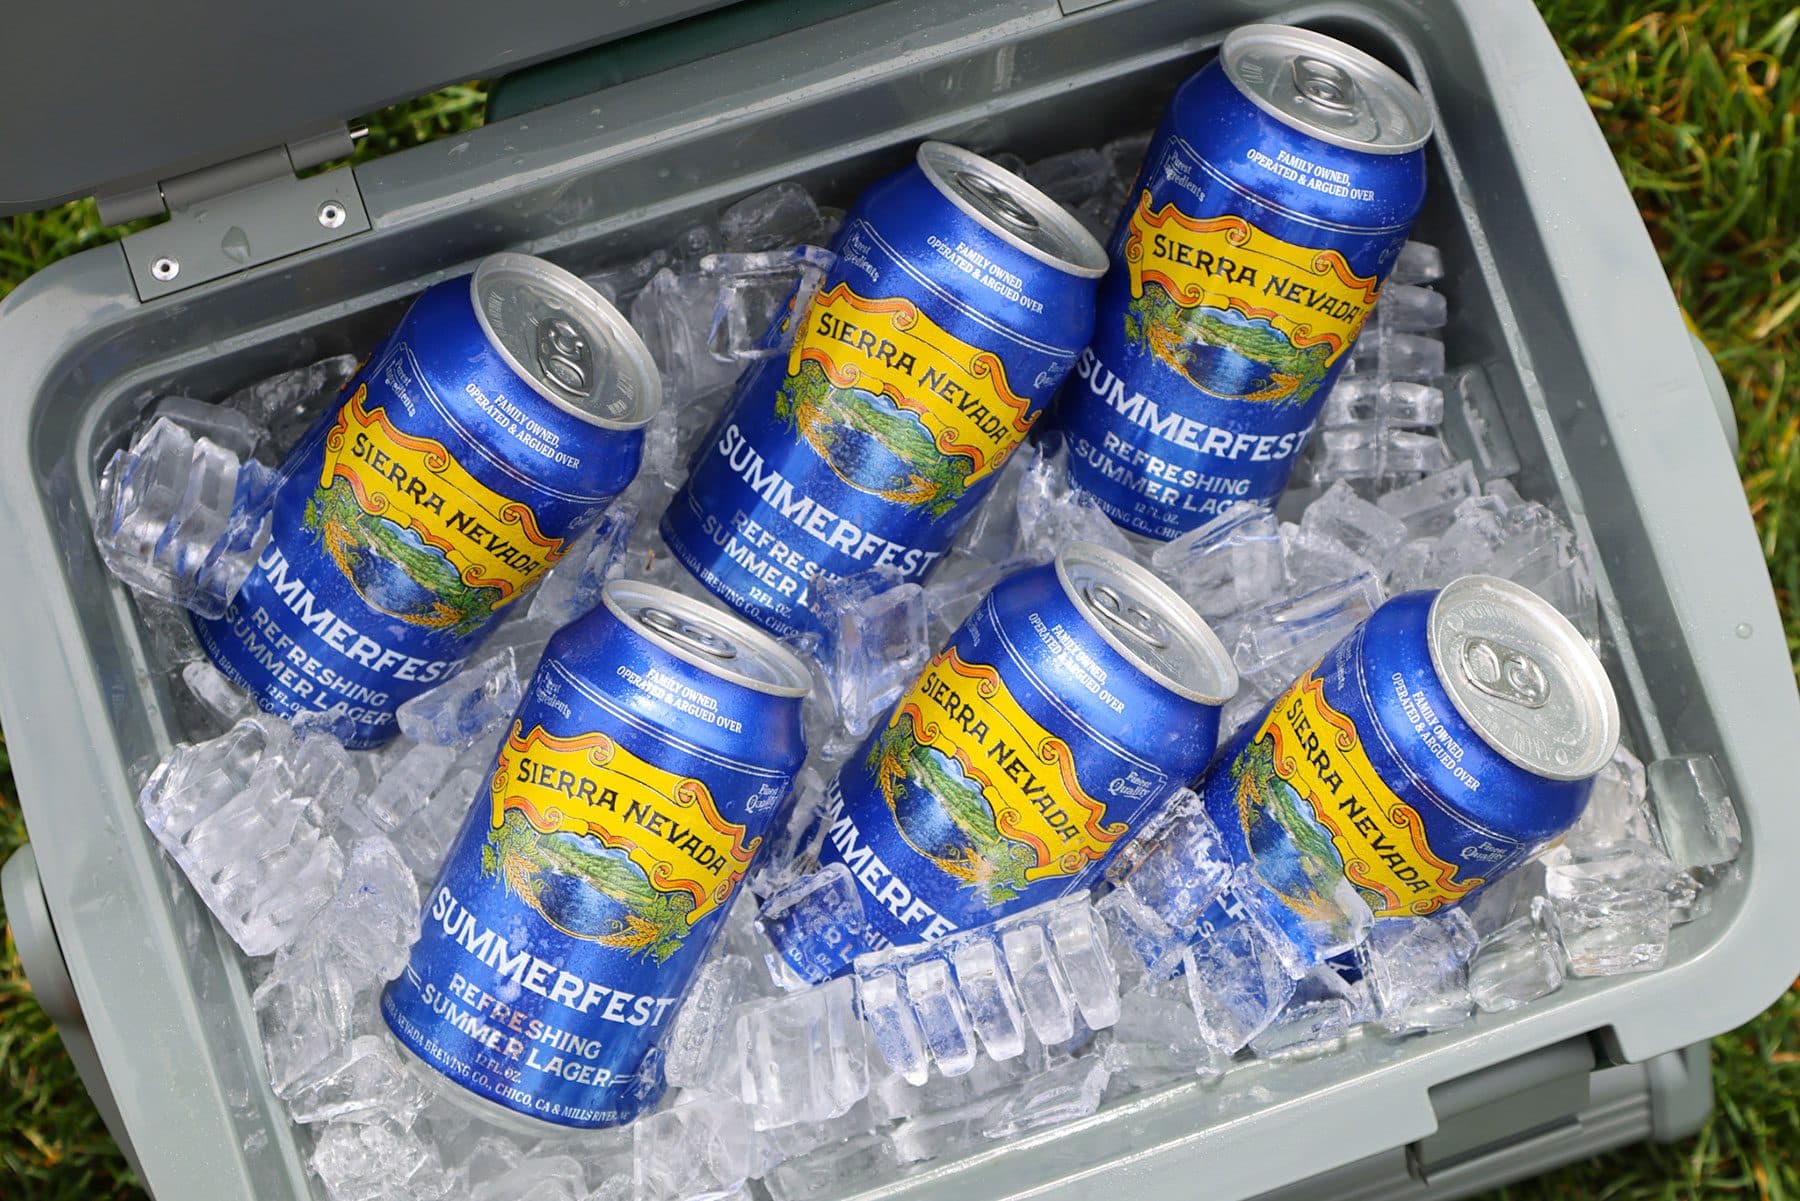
x: 331, y: 214
x: 165, y: 268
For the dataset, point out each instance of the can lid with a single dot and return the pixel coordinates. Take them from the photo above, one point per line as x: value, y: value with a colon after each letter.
x: 1147, y: 621
x: 1522, y: 675
x: 563, y: 338
x: 1326, y: 89
x: 717, y: 642
x: 1012, y: 209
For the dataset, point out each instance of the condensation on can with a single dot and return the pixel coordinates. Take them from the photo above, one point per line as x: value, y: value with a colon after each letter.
x: 625, y: 804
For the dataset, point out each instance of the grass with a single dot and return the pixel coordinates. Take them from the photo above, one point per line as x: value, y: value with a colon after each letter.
x: 1699, y: 100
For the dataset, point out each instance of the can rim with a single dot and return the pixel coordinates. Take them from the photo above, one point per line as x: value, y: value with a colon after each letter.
x: 617, y: 593
x: 628, y: 347
x: 1408, y: 95
x: 1599, y: 692
x: 1200, y: 637
x: 934, y: 157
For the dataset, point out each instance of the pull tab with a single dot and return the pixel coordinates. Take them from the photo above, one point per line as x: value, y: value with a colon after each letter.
x: 1127, y: 615
x: 563, y: 355
x: 1503, y: 672
x: 995, y: 201
x: 686, y: 633
x: 1326, y: 86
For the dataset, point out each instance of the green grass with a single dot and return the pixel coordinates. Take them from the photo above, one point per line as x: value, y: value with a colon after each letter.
x: 1698, y: 99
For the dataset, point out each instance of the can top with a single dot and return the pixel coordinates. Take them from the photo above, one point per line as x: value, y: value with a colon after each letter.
x: 1326, y: 89
x: 1524, y: 677
x: 1147, y: 621
x: 562, y: 337
x: 717, y: 642
x: 1012, y: 209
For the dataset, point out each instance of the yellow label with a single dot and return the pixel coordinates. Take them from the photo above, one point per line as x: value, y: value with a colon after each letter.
x: 982, y: 789
x: 419, y: 537
x: 1307, y: 773
x: 896, y: 405
x: 652, y: 843
x: 1226, y: 290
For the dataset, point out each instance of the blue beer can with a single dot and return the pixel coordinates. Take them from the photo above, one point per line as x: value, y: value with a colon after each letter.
x: 1445, y: 741
x: 654, y: 745
x: 960, y: 299
x: 478, y: 441
x: 1077, y: 698
x: 1270, y: 207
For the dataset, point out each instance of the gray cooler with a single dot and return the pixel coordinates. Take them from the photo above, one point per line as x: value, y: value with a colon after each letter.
x: 1557, y: 298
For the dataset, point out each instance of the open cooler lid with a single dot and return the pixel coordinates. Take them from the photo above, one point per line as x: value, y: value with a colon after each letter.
x: 125, y: 97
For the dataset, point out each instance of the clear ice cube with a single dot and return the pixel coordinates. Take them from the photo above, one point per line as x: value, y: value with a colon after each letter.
x: 674, y: 316
x: 1411, y: 308
x: 1229, y: 564
x: 1060, y: 1094
x: 285, y: 405
x: 876, y: 642
x: 305, y: 1010
x: 1694, y: 811
x: 1613, y: 912
x: 1042, y: 986
x: 989, y: 997
x: 573, y: 586
x: 700, y: 1145
x: 1316, y: 1020
x: 695, y: 1055
x: 181, y: 519
x: 456, y: 712
x: 816, y: 923
x: 763, y: 299
x: 1072, y: 177
x: 1517, y: 964
x: 881, y: 993
x: 1417, y: 263
x: 1417, y: 969
x: 369, y: 1085
x: 1156, y: 1040
x: 1364, y: 529
x: 944, y: 1021
x: 1429, y: 506
x: 1236, y: 983
x: 376, y: 1161
x: 803, y: 1055
x: 779, y: 215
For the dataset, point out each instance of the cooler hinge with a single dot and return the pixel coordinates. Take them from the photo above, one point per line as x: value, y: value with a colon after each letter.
x: 1539, y: 1095
x: 238, y: 214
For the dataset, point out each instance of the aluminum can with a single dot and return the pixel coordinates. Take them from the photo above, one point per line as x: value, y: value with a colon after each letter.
x: 485, y: 435
x: 1440, y: 745
x: 654, y: 745
x: 1077, y: 698
x: 1270, y: 207
x: 960, y: 299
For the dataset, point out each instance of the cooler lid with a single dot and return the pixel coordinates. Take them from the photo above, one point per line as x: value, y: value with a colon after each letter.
x: 115, y: 96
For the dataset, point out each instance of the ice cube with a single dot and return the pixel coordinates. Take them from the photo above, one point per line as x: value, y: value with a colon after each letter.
x: 942, y: 1132
x: 885, y: 1007
x: 1366, y: 530
x: 763, y: 299
x: 958, y: 587
x: 409, y: 774
x: 373, y: 920
x: 218, y: 694
x: 1156, y: 1040
x: 992, y: 530
x: 1613, y: 912
x: 1236, y: 983
x: 234, y: 817
x: 1227, y: 565
x: 1417, y: 969
x: 791, y: 847
x: 620, y: 284
x: 181, y: 519
x: 1280, y: 640
x: 376, y: 1161
x: 702, y: 1144
x: 1694, y: 811
x: 286, y: 404
x: 1084, y: 953
x: 222, y: 425
x: 1505, y: 899
x: 1072, y: 177
x: 674, y: 316
x: 1519, y: 962
x: 802, y: 1056
x: 573, y: 585
x: 694, y: 1054
x: 1429, y: 507
x: 1052, y: 513
x: 426, y: 838
x: 779, y: 215
x: 876, y: 642
x: 1061, y: 1094
x: 456, y: 712
x: 1330, y: 925
x: 1411, y: 308
x: 1042, y: 986
x: 535, y: 1178
x: 369, y: 1085
x: 305, y: 1011
x: 1316, y: 1020
x: 1184, y: 871
x: 1474, y: 411
x: 1617, y: 808
x: 989, y: 997
x: 1392, y: 354
x: 944, y: 1022
x: 816, y: 923
x: 1417, y: 263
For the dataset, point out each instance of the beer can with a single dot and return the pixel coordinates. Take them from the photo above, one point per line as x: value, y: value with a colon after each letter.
x: 486, y: 434
x: 1270, y: 207
x: 1077, y: 698
x: 654, y: 746
x: 1441, y: 744
x: 960, y: 298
